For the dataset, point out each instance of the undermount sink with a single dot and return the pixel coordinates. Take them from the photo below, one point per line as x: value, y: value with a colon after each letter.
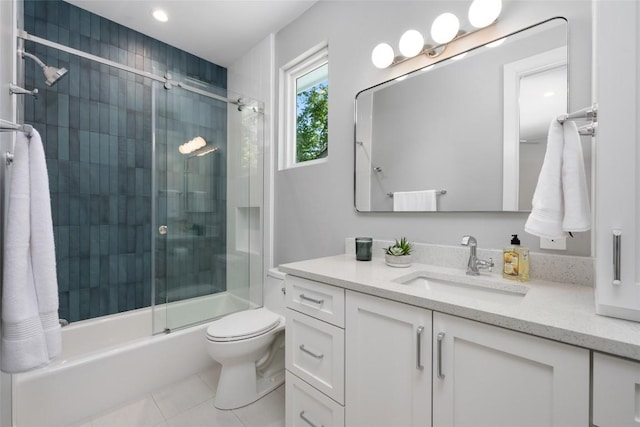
x: 486, y: 291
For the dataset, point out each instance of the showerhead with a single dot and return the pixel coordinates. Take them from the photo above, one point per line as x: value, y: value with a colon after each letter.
x: 52, y: 74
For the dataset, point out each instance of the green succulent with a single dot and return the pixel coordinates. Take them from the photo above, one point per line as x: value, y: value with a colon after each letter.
x: 399, y: 248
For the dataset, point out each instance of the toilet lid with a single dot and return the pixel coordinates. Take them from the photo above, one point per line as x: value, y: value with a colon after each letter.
x: 243, y: 324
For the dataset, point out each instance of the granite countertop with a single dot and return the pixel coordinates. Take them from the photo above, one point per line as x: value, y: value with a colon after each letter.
x: 557, y: 311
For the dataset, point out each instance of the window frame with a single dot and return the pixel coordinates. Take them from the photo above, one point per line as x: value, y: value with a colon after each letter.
x: 289, y: 74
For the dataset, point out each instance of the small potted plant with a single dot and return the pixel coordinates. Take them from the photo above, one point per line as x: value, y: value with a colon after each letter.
x: 399, y: 254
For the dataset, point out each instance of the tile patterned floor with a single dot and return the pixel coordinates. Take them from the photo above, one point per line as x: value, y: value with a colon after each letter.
x: 189, y: 403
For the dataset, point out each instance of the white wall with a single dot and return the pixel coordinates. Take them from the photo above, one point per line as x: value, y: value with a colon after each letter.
x: 252, y: 76
x: 314, y: 205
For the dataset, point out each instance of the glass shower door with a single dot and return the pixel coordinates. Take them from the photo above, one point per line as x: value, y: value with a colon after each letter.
x: 200, y: 270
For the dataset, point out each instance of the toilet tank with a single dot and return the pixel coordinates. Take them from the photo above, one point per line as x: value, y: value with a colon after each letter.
x: 273, y: 294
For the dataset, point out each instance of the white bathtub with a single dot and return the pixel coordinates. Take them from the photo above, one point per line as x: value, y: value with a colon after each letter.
x: 112, y: 360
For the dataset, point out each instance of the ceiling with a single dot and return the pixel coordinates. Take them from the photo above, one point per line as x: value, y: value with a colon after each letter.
x: 220, y: 31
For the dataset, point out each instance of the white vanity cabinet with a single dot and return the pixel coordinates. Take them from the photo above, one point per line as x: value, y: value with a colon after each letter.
x: 314, y: 354
x: 373, y: 362
x: 488, y: 376
x: 388, y: 363
x: 616, y: 391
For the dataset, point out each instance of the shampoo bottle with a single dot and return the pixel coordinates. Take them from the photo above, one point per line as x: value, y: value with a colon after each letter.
x: 515, y: 261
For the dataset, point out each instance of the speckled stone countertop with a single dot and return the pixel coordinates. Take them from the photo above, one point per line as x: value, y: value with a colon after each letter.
x: 557, y: 311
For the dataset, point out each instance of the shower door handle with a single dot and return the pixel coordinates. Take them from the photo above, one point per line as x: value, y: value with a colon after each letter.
x: 163, y: 229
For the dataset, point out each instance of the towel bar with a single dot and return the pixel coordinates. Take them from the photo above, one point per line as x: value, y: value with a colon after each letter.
x: 438, y: 192
x: 590, y: 113
x: 6, y: 126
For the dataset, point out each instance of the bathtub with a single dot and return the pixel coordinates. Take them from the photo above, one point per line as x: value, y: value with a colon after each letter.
x: 113, y: 359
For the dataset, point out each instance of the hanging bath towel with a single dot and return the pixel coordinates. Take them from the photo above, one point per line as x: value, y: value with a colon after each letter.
x: 560, y: 201
x: 30, y: 326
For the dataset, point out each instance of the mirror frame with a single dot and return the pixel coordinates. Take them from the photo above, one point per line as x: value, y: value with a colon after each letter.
x: 423, y: 68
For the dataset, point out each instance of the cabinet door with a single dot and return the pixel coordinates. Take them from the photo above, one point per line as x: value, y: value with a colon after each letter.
x: 388, y: 363
x: 315, y: 352
x: 485, y: 376
x: 307, y: 407
x: 617, y: 89
x: 616, y: 392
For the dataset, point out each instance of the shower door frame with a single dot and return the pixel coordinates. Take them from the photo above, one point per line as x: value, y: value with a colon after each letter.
x: 240, y: 103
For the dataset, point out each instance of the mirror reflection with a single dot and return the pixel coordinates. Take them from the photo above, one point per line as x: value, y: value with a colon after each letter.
x: 467, y: 133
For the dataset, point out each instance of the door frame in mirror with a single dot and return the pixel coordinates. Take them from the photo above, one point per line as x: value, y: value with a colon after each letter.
x: 513, y: 73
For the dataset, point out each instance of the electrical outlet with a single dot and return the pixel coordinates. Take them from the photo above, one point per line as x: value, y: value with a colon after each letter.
x: 559, y: 244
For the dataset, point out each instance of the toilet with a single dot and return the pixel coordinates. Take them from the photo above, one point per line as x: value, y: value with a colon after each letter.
x: 249, y: 345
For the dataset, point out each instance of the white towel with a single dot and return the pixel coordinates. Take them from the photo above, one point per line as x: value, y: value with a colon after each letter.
x: 30, y: 328
x: 560, y: 201
x: 423, y: 200
x: 43, y: 253
x: 577, y: 213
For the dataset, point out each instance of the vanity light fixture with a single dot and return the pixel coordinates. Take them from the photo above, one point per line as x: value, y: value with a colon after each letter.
x: 192, y: 145
x: 444, y: 30
x: 160, y: 15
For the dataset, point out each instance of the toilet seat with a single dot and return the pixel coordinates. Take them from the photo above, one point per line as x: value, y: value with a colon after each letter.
x: 242, y: 325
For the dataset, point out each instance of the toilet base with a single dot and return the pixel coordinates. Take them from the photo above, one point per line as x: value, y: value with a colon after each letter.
x: 242, y: 386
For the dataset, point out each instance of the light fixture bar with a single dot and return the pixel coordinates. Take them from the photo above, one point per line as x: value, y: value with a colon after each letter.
x: 434, y: 51
x: 445, y: 29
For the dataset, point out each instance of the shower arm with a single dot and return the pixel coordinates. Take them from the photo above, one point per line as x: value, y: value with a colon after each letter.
x: 35, y: 58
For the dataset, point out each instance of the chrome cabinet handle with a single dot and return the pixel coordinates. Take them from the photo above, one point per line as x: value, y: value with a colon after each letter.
x: 313, y: 300
x: 617, y: 237
x: 163, y: 229
x: 440, y: 339
x: 311, y: 353
x: 419, y: 348
x: 307, y: 420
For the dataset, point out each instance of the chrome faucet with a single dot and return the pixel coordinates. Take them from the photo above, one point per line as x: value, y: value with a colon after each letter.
x: 474, y: 263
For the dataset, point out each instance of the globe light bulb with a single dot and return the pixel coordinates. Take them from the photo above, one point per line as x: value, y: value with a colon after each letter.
x: 483, y: 12
x: 382, y: 55
x: 445, y: 28
x: 411, y: 43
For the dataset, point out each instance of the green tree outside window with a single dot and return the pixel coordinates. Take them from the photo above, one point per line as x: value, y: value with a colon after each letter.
x: 312, y: 124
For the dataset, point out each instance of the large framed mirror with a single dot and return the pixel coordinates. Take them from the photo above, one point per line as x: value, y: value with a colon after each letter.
x: 467, y: 133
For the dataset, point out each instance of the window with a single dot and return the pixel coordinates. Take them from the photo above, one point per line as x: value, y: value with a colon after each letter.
x: 304, y: 85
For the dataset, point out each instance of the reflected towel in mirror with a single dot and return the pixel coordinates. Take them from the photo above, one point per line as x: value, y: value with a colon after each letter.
x: 423, y: 200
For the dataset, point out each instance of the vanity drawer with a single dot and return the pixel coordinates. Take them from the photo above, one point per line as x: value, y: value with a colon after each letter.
x: 321, y: 301
x: 306, y: 406
x: 315, y: 353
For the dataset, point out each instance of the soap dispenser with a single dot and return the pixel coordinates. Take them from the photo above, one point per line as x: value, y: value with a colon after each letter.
x: 515, y: 261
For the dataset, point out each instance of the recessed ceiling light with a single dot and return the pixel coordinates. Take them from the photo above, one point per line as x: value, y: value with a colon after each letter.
x: 160, y: 15
x: 549, y: 94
